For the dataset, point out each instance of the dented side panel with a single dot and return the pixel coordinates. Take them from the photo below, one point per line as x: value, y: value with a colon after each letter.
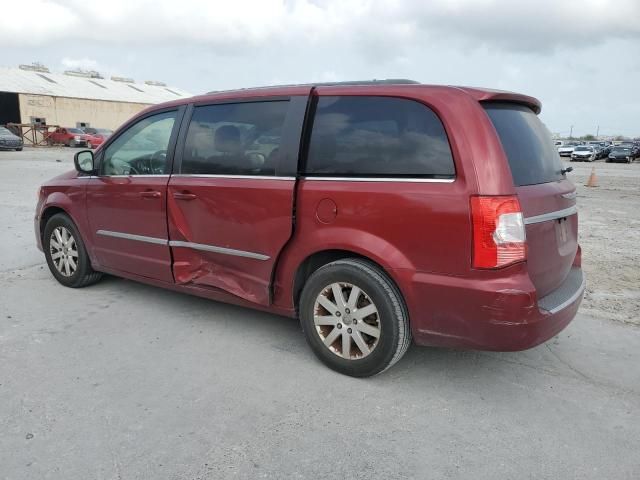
x: 230, y: 233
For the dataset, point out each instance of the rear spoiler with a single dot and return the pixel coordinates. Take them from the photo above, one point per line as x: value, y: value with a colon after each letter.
x: 486, y: 95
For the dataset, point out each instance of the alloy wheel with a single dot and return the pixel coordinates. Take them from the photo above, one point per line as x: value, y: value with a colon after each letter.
x: 64, y: 251
x: 347, y: 321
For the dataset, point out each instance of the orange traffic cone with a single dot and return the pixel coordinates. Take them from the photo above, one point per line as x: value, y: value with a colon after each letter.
x: 592, y: 180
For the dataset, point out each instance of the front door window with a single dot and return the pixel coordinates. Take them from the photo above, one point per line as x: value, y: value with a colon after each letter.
x: 142, y: 149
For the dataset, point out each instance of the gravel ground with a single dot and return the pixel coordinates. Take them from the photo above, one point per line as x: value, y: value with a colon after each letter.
x: 610, y: 239
x: 126, y: 381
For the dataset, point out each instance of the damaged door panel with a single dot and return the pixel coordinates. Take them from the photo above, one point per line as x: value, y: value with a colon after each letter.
x: 230, y: 200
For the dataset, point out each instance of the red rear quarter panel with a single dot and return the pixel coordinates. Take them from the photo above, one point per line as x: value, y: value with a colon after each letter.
x: 413, y: 226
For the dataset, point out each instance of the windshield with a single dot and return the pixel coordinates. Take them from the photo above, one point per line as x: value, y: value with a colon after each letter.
x: 103, y: 131
x: 583, y: 149
x: 74, y: 130
x: 527, y: 143
x: 621, y: 149
x: 4, y: 131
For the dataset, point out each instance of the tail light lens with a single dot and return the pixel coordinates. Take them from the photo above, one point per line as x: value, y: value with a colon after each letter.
x: 499, y: 237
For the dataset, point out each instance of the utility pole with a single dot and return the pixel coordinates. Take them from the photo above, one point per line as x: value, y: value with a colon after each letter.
x: 597, y: 132
x: 571, y: 133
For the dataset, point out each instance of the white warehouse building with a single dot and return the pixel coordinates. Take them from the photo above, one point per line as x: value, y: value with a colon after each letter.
x: 33, y: 95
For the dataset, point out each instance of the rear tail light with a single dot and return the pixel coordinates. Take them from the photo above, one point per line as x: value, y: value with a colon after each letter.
x: 499, y: 237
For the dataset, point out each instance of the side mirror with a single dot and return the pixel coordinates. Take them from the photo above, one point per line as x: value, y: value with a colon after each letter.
x: 83, y: 160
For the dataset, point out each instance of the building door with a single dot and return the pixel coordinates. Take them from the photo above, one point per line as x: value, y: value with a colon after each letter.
x: 9, y: 108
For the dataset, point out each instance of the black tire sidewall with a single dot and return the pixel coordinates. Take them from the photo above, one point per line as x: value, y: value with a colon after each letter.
x: 84, y: 265
x: 387, y: 345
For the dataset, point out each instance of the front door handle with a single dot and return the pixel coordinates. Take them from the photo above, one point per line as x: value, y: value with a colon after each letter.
x: 150, y: 194
x: 184, y: 196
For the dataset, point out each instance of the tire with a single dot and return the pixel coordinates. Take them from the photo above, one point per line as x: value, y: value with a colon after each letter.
x: 389, y: 321
x: 19, y: 149
x: 83, y: 274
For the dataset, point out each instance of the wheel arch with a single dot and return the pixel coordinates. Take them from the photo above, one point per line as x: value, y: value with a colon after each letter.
x: 320, y: 258
x: 48, y: 212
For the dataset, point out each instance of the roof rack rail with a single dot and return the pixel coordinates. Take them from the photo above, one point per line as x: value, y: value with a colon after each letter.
x: 384, y: 81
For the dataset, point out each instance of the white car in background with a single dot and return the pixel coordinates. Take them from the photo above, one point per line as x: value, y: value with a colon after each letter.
x: 567, y: 149
x: 584, y: 153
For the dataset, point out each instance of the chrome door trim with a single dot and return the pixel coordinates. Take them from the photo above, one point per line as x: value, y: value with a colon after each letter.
x: 130, y: 236
x: 545, y: 217
x: 242, y: 177
x: 131, y: 176
x: 380, y: 179
x: 222, y: 250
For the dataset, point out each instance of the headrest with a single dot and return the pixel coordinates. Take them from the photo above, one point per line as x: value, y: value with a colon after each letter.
x: 227, y: 139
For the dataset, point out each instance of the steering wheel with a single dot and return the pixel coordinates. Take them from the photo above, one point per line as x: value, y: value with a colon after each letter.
x: 158, y: 158
x: 120, y: 167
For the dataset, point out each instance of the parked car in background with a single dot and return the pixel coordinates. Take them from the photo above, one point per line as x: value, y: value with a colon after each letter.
x: 567, y: 149
x: 70, y: 137
x: 621, y: 154
x: 601, y: 149
x: 255, y: 197
x: 634, y: 147
x: 9, y: 141
x: 584, y: 153
x: 97, y: 135
x: 600, y: 152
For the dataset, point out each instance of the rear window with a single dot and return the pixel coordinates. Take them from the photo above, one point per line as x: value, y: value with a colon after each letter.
x: 527, y: 143
x: 361, y: 136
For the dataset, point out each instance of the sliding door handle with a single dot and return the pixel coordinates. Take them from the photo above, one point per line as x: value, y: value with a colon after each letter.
x: 184, y: 196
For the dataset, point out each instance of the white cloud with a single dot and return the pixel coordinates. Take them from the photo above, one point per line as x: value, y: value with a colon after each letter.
x: 242, y: 24
x: 580, y: 57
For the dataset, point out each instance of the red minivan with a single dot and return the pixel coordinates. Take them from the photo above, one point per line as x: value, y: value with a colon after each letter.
x: 375, y: 212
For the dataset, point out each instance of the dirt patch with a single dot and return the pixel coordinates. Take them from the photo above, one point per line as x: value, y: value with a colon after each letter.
x: 610, y: 239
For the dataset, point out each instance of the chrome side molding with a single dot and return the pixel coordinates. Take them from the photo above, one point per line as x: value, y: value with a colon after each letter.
x: 129, y: 236
x: 177, y: 243
x: 214, y: 249
x: 545, y: 217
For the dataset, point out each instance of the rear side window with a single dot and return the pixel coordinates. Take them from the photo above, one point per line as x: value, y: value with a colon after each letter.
x: 527, y: 143
x: 234, y: 139
x: 362, y: 136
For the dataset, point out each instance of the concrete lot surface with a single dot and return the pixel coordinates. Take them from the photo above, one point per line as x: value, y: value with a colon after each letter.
x: 126, y: 381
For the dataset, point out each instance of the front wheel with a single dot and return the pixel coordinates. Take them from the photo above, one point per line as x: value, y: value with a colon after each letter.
x: 354, y: 318
x: 66, y: 254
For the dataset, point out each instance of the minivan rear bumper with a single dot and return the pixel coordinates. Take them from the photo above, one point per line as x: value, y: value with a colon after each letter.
x: 499, y: 314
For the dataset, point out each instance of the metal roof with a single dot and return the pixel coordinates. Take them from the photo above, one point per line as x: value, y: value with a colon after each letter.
x: 58, y: 85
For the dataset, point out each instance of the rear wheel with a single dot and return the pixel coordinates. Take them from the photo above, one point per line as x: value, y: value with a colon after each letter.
x: 66, y: 254
x: 354, y: 318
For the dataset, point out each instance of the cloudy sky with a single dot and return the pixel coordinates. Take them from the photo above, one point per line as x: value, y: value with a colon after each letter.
x: 581, y: 58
